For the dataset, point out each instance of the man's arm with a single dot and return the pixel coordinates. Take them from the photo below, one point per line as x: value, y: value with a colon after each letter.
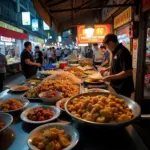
x: 105, y: 63
x: 121, y: 75
x: 28, y: 62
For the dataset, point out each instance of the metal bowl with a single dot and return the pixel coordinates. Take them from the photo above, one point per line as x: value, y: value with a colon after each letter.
x: 7, y: 119
x: 54, y: 109
x: 136, y: 110
x: 22, y: 100
x: 70, y: 130
x: 59, y: 103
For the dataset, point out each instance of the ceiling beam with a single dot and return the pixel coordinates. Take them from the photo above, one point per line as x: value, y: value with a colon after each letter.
x: 91, y: 8
x: 57, y: 3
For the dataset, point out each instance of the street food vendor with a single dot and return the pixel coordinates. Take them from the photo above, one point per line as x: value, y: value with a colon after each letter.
x: 120, y: 77
x: 29, y: 67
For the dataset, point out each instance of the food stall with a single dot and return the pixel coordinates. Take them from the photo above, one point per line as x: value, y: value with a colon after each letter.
x: 11, y: 45
x: 11, y: 48
x: 49, y: 112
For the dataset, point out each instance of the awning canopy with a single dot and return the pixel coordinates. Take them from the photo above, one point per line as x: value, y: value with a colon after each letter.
x: 66, y: 14
x: 13, y: 34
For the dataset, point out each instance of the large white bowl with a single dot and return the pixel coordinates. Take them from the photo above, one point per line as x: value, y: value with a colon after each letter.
x: 7, y: 119
x: 70, y: 130
x: 51, y: 100
x: 22, y: 100
x: 54, y: 109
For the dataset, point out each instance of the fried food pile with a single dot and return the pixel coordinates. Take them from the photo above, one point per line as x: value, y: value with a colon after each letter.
x: 100, y: 109
x: 65, y: 86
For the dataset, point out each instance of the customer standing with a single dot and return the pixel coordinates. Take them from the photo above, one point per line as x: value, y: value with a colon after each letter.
x: 39, y: 58
x: 89, y: 52
x: 53, y: 54
x: 121, y: 78
x: 29, y: 67
x: 97, y: 54
x: 3, y: 64
x: 49, y: 55
x: 66, y: 52
x: 58, y: 54
x: 106, y: 58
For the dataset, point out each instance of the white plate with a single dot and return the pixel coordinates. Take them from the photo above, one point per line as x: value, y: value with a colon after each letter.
x: 19, y: 90
x: 7, y: 119
x: 51, y: 100
x: 22, y: 100
x: 55, y: 110
x: 70, y: 130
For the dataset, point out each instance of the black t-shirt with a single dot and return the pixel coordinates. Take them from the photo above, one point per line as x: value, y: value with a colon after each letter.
x: 38, y: 57
x: 28, y: 70
x: 122, y: 61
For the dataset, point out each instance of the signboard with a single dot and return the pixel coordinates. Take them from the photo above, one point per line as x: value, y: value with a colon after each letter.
x: 7, y: 39
x: 26, y: 18
x: 123, y: 18
x: 135, y: 53
x: 10, y: 27
x: 35, y: 25
x: 98, y: 36
x: 145, y: 5
x: 45, y: 26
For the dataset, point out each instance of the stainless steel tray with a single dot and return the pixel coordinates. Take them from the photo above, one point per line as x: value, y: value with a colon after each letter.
x: 136, y: 110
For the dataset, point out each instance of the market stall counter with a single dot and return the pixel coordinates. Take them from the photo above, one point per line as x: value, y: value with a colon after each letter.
x: 15, y: 137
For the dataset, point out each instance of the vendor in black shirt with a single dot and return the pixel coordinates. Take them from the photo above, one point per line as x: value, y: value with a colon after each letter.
x: 38, y: 56
x: 29, y: 68
x: 121, y: 78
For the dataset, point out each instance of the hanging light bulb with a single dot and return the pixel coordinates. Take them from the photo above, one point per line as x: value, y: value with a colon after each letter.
x: 89, y: 30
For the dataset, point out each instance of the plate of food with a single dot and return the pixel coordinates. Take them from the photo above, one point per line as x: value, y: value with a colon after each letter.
x: 19, y: 88
x: 48, y: 72
x: 53, y: 136
x: 33, y: 82
x: 50, y: 97
x: 61, y: 104
x: 91, y: 81
x: 90, y: 72
x: 40, y: 114
x: 74, y: 65
x: 87, y: 67
x: 5, y: 121
x: 102, y: 109
x: 77, y: 72
x: 13, y: 105
x: 64, y: 86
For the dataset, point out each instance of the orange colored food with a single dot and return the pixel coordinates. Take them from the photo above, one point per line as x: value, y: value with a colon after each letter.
x: 2, y: 125
x: 100, y: 109
x: 10, y: 104
x: 40, y: 114
x: 52, y: 139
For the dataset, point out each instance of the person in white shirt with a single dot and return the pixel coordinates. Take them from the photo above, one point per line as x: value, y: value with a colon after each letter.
x: 97, y: 54
x: 49, y: 55
x: 66, y: 52
x: 58, y: 54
